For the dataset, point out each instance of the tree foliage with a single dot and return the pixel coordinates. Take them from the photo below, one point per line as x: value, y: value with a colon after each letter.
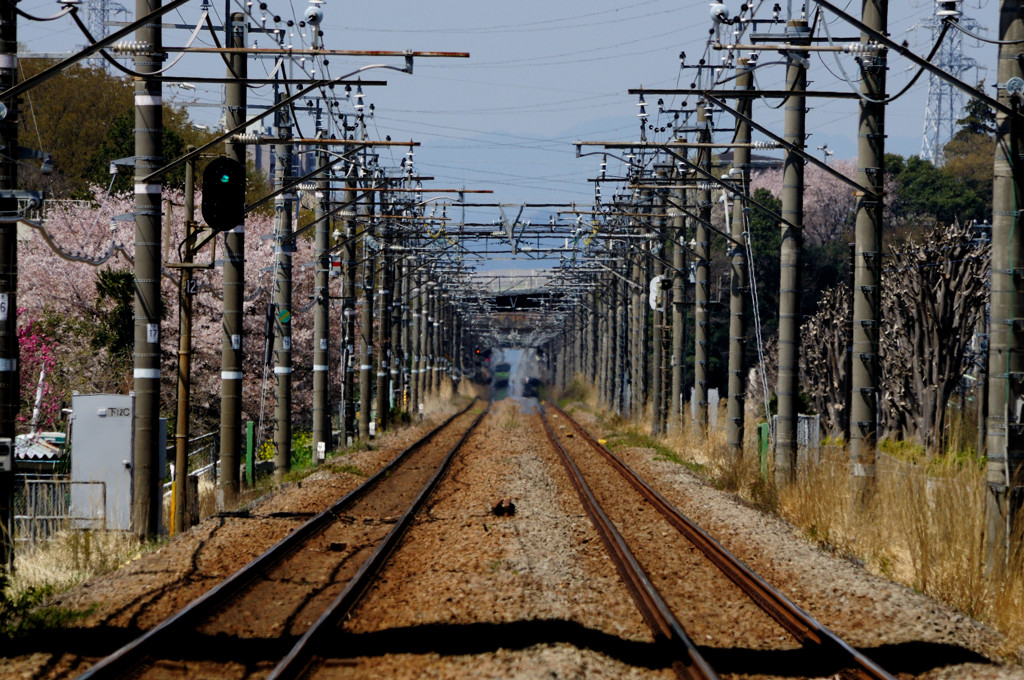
x: 85, y: 118
x: 923, y: 190
x: 81, y: 303
x: 969, y: 154
x: 115, y: 299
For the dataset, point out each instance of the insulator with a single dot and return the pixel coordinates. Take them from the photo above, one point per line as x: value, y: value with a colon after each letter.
x: 247, y: 138
x: 862, y: 48
x: 131, y: 47
x: 765, y: 144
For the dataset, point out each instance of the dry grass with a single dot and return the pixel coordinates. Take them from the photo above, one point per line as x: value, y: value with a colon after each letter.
x: 72, y: 557
x: 923, y: 527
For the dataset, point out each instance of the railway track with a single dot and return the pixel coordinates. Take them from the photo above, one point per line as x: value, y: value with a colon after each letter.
x: 810, y: 650
x: 278, y: 606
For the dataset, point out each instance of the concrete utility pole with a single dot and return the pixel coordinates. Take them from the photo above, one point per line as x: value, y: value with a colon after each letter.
x: 425, y: 324
x: 657, y: 314
x: 867, y: 262
x: 621, y: 349
x: 383, y: 306
x: 348, y: 311
x: 397, y: 357
x: 321, y: 315
x: 789, y: 273
x: 10, y: 385
x: 148, y: 193
x: 605, y: 341
x: 678, y: 231
x: 434, y: 342
x: 415, y: 322
x: 366, y: 326
x: 232, y: 354
x: 739, y: 286
x: 1005, y: 468
x: 702, y: 262
x: 284, y: 246
x: 636, y: 355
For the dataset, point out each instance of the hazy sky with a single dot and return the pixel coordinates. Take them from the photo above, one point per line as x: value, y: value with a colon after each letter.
x: 541, y: 75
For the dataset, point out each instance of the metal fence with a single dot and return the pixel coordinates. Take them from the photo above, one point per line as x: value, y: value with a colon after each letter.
x: 42, y: 507
x: 202, y: 457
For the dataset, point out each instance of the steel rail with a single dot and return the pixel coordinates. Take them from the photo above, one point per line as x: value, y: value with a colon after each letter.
x: 117, y: 664
x: 805, y: 628
x: 687, y: 660
x: 295, y: 664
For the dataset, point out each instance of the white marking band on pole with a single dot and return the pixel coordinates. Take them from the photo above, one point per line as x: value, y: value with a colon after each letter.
x: 319, y: 367
x: 7, y: 365
x: 149, y: 188
x: 365, y: 367
x: 147, y: 373
x: 8, y: 61
x: 282, y: 370
x: 230, y: 375
x: 149, y: 100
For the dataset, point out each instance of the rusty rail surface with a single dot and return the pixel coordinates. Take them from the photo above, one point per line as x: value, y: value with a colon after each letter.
x: 687, y: 661
x: 296, y: 663
x: 151, y: 644
x: 805, y: 628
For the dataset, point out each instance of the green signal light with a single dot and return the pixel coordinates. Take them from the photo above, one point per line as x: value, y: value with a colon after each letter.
x: 225, y: 178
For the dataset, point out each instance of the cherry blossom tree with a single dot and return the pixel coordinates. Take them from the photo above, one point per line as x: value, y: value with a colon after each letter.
x: 58, y: 264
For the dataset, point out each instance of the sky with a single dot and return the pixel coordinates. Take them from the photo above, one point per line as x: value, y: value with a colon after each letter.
x: 541, y: 75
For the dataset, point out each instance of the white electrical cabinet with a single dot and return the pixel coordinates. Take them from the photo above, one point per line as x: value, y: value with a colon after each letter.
x: 101, y: 460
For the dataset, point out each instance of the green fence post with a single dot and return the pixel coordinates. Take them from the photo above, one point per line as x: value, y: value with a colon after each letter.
x: 762, y: 447
x: 249, y: 441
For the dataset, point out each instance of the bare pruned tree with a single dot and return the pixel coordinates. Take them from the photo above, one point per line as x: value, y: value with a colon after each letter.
x: 824, y: 343
x: 932, y: 295
x: 933, y: 292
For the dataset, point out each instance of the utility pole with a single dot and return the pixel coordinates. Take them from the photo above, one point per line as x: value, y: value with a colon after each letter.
x: 383, y: 306
x: 424, y: 338
x: 397, y: 358
x: 181, y: 423
x: 739, y: 287
x: 621, y: 358
x: 433, y: 330
x: 702, y: 262
x: 1004, y: 471
x: 678, y: 230
x: 148, y: 193
x: 788, y: 388
x: 348, y: 311
x: 868, y: 255
x: 321, y: 316
x: 636, y: 349
x: 657, y: 314
x: 366, y: 327
x: 415, y: 322
x: 231, y: 356
x: 10, y: 385
x: 284, y: 246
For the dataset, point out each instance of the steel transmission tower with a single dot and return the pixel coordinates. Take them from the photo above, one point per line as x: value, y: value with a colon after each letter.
x: 97, y: 14
x: 945, y: 102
